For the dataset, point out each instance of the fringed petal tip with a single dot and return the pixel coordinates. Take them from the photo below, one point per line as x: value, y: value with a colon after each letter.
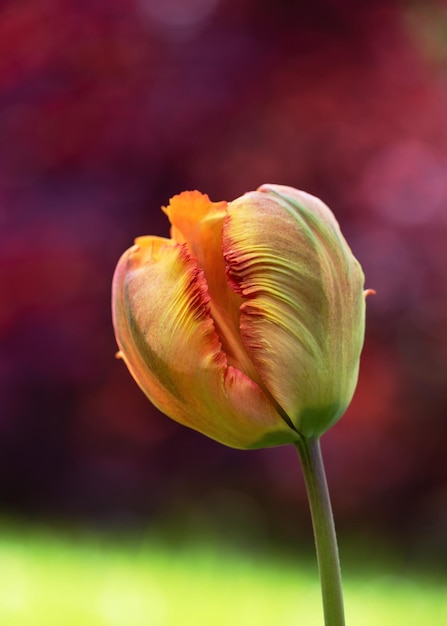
x: 188, y: 212
x: 192, y: 204
x: 188, y: 196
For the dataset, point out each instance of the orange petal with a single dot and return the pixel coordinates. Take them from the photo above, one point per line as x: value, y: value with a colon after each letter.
x: 199, y: 222
x: 167, y: 338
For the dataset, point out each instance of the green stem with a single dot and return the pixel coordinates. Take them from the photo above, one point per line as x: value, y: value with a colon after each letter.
x: 324, y: 531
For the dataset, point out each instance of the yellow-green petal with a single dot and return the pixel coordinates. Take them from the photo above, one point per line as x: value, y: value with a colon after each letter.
x: 302, y: 320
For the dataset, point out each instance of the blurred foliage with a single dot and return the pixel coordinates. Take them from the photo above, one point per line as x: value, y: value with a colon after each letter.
x: 107, y: 109
x: 48, y: 578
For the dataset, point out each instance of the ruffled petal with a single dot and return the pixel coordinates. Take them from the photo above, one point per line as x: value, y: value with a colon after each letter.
x: 199, y: 222
x: 302, y: 321
x: 168, y: 340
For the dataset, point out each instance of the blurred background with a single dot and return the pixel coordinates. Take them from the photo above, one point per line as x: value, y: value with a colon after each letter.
x: 110, y: 107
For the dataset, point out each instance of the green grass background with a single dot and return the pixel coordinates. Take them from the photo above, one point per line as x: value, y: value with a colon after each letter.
x: 50, y: 579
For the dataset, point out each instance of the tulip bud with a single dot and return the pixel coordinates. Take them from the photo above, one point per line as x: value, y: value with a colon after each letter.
x: 248, y: 323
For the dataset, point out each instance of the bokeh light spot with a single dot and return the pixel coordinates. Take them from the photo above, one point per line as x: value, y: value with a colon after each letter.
x: 406, y: 183
x: 180, y: 15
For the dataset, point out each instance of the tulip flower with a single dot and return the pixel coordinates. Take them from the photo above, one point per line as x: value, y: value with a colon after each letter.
x: 248, y: 323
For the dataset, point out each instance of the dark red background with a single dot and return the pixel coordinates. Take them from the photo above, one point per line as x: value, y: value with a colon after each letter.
x: 108, y: 108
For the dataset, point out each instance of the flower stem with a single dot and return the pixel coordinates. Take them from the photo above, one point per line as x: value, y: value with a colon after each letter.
x: 324, y: 531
